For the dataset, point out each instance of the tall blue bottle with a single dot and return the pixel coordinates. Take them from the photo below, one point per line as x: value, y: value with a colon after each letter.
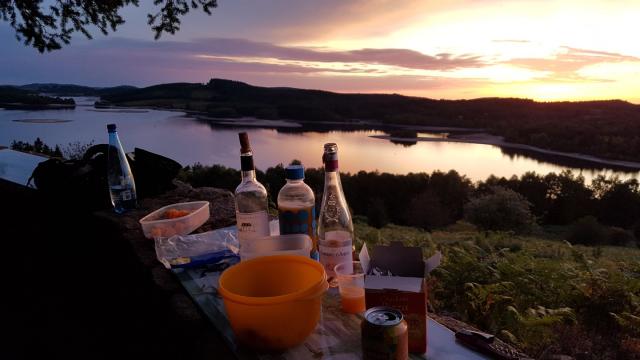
x: 122, y: 187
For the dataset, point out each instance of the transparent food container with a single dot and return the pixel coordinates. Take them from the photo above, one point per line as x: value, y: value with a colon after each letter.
x: 292, y: 244
x: 156, y: 225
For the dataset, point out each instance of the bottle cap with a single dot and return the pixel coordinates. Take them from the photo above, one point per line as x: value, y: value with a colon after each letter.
x: 330, y: 147
x: 111, y: 128
x: 244, y: 142
x: 330, y: 157
x: 294, y: 172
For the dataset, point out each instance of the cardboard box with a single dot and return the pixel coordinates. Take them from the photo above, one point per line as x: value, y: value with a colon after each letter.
x: 395, y: 278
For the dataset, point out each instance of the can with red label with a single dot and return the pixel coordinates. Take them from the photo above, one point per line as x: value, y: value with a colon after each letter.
x: 384, y: 335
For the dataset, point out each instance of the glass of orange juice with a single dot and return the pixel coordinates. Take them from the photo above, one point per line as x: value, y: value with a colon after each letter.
x: 351, y: 286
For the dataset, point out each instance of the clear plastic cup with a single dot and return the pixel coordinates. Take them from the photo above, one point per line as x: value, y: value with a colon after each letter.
x: 351, y: 286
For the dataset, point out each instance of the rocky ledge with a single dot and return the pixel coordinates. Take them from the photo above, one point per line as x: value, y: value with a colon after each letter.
x: 222, y: 213
x: 183, y: 311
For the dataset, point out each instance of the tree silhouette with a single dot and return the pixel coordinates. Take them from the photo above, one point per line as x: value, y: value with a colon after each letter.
x: 48, y: 27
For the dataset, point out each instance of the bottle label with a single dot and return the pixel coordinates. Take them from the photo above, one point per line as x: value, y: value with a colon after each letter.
x: 335, y: 249
x: 122, y: 193
x: 246, y: 163
x: 298, y: 221
x: 252, y: 225
x: 330, y: 161
x: 126, y: 195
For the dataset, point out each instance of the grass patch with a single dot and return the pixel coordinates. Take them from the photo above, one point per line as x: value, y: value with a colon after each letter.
x: 537, y: 292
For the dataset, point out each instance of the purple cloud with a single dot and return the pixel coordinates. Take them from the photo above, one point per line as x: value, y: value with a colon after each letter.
x: 137, y: 62
x: 246, y: 48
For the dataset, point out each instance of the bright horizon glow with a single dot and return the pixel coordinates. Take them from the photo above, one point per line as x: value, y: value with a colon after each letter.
x: 542, y: 50
x: 537, y: 30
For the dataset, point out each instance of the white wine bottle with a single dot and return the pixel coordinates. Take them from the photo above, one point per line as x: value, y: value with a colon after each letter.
x: 252, y: 206
x: 335, y: 227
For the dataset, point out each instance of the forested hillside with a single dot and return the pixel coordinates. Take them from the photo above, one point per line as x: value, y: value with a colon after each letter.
x: 609, y: 129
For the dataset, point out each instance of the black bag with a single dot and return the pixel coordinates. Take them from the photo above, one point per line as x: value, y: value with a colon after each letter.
x: 153, y: 173
x: 82, y: 184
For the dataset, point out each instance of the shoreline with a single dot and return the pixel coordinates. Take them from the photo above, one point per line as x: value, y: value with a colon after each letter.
x: 42, y: 121
x: 428, y: 128
x: 124, y: 111
x: 495, y: 140
x: 250, y: 122
x: 291, y: 123
x: 24, y: 106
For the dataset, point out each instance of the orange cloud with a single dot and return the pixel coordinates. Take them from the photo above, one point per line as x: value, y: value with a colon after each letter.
x: 565, y: 65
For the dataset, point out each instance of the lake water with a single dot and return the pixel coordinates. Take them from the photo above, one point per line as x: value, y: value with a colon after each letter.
x: 188, y: 141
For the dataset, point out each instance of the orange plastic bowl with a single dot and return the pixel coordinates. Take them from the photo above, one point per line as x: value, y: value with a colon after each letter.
x: 273, y: 303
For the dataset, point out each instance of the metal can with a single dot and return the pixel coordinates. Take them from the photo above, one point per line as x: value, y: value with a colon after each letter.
x: 384, y: 334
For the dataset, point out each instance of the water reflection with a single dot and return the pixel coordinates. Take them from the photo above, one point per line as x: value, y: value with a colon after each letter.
x: 190, y: 140
x: 585, y: 165
x: 404, y: 143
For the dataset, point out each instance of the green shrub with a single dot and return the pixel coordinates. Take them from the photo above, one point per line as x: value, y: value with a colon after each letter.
x: 377, y: 213
x: 72, y: 151
x: 427, y: 211
x: 620, y: 237
x: 501, y: 210
x: 38, y: 146
x: 636, y: 233
x: 587, y: 231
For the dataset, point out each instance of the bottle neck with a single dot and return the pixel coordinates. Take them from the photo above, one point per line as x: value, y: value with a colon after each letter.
x: 114, y: 142
x: 247, y: 167
x: 248, y: 175
x: 332, y: 178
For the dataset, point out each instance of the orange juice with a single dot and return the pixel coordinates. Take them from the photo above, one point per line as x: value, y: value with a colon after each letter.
x: 352, y: 300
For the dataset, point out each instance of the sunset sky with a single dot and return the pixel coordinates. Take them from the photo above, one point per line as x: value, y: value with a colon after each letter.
x: 545, y: 50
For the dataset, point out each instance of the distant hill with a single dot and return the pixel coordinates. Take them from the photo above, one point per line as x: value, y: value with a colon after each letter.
x: 12, y: 97
x: 75, y: 90
x: 226, y: 98
x: 59, y: 89
x: 608, y: 128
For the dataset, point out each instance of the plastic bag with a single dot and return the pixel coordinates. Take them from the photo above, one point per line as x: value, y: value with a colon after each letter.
x: 206, y: 248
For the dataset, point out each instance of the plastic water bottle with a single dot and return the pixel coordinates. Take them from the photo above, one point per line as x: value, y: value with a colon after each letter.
x: 297, y: 207
x: 122, y: 187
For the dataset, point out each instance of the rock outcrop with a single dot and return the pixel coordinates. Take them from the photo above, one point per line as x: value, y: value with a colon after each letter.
x: 181, y: 308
